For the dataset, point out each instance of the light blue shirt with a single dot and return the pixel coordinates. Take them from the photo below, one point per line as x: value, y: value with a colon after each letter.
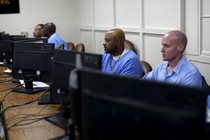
x: 127, y: 65
x: 57, y: 40
x: 185, y: 73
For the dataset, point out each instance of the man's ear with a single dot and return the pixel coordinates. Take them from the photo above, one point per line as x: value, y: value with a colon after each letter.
x: 118, y: 42
x: 181, y: 47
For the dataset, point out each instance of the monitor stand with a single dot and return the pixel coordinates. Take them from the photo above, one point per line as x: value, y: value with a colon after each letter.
x: 7, y: 62
x: 28, y: 89
x: 61, y: 119
x: 66, y: 137
x: 70, y: 134
x: 51, y: 98
x: 58, y: 120
x: 48, y: 100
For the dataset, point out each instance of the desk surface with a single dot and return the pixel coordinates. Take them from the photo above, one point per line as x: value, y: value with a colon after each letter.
x: 28, y: 119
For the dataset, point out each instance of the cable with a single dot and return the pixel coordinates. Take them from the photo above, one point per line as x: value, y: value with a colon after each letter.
x: 13, y: 106
x: 25, y: 116
x: 18, y: 123
x: 1, y: 103
x: 11, y: 88
x: 29, y: 115
x: 22, y: 116
x: 4, y: 75
x: 15, y: 88
x: 8, y: 93
x: 4, y: 81
x: 47, y: 91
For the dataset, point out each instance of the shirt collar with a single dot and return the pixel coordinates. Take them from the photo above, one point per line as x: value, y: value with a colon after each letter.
x: 177, y: 68
x: 119, y: 56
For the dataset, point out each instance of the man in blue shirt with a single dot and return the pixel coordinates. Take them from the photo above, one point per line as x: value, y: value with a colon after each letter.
x: 117, y: 59
x: 49, y: 32
x: 175, y: 68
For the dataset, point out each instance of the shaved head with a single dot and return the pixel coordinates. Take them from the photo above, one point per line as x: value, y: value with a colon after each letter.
x: 117, y: 33
x: 114, y: 41
x: 177, y: 36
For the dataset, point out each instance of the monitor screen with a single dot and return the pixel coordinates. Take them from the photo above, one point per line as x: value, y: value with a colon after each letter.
x: 32, y: 61
x: 119, y: 108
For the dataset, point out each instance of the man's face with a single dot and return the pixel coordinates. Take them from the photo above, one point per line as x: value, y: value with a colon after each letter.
x: 169, y: 48
x: 109, y: 42
x: 37, y: 32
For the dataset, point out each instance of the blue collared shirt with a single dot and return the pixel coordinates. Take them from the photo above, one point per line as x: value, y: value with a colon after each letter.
x: 185, y: 73
x: 57, y: 40
x: 128, y: 64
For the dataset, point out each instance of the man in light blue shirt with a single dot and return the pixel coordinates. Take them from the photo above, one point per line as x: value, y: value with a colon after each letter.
x: 185, y: 73
x: 117, y: 59
x: 175, y: 68
x: 49, y: 32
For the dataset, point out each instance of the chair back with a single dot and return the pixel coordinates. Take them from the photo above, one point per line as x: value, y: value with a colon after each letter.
x: 70, y: 45
x: 79, y: 47
x: 146, y: 67
x: 129, y: 45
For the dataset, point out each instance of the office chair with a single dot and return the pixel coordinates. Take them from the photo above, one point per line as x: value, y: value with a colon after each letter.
x: 146, y: 67
x: 129, y: 45
x: 79, y: 47
x: 70, y: 45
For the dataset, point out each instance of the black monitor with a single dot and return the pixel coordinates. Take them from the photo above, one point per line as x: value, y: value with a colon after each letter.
x: 122, y: 108
x: 32, y: 61
x: 6, y: 48
x: 61, y: 47
x: 64, y: 62
x: 2, y: 33
x: 31, y: 40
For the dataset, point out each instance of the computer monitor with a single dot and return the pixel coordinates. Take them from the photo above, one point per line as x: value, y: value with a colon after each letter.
x: 64, y: 62
x: 122, y: 108
x: 32, y: 62
x: 2, y: 33
x: 7, y: 41
x: 31, y: 40
x: 6, y: 47
x: 61, y: 47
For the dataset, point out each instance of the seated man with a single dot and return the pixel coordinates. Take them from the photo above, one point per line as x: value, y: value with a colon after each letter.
x: 49, y: 32
x: 117, y: 59
x: 38, y: 31
x: 175, y: 68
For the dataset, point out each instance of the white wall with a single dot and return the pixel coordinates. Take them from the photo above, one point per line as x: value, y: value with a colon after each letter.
x: 144, y: 22
x: 64, y: 13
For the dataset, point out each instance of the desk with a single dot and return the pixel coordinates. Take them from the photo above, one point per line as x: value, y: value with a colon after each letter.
x: 41, y: 129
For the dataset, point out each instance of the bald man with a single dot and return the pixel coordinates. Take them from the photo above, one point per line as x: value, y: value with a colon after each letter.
x: 49, y: 31
x: 117, y: 59
x: 175, y: 68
